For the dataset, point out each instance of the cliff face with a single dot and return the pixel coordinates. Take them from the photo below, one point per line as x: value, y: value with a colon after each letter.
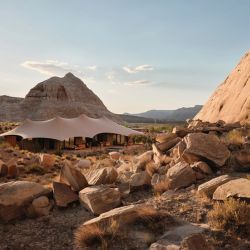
x: 67, y: 97
x: 231, y: 100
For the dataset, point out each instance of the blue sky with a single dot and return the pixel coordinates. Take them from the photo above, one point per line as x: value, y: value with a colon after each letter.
x: 135, y: 55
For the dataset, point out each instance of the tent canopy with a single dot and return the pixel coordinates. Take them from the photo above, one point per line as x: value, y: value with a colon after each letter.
x: 62, y: 128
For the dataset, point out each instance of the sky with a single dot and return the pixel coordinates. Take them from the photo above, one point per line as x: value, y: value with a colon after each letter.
x: 136, y: 55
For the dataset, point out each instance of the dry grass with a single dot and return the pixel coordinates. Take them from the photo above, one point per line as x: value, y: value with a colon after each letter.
x: 4, y: 145
x: 232, y: 216
x: 115, y: 231
x: 161, y: 187
x: 90, y: 235
x: 35, y: 169
x: 234, y: 137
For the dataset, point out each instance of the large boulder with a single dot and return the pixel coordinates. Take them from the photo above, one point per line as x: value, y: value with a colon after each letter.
x: 99, y: 199
x: 145, y: 157
x: 16, y: 196
x: 140, y: 180
x: 165, y: 146
x: 107, y: 175
x: 122, y: 214
x: 180, y: 131
x: 201, y: 169
x: 209, y: 187
x: 63, y: 194
x: 238, y: 188
x: 242, y: 160
x: 186, y: 236
x: 142, y: 160
x: 208, y: 147
x: 158, y: 156
x: 73, y: 177
x: 180, y: 175
x: 165, y: 137
x: 83, y: 164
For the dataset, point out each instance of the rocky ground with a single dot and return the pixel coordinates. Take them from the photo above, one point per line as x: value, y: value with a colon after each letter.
x: 137, y: 199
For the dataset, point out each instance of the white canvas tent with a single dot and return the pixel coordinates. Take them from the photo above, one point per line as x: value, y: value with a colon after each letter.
x: 62, y: 128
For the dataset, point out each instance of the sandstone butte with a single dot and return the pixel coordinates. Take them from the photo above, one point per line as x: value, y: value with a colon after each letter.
x: 64, y: 96
x: 231, y: 100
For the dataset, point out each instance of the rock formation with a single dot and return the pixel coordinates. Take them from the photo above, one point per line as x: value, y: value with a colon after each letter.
x: 67, y: 97
x: 231, y: 100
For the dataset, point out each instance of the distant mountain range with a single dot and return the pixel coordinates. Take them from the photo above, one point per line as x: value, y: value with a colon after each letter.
x: 177, y: 115
x: 69, y: 97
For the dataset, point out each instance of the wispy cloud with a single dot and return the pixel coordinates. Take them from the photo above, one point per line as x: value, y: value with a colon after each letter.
x: 111, y: 76
x: 140, y: 68
x: 55, y: 68
x: 48, y: 67
x: 92, y: 67
x: 138, y: 83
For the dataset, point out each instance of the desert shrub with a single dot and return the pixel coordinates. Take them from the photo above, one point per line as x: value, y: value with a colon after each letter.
x: 161, y: 187
x: 160, y: 128
x: 104, y: 235
x: 4, y: 144
x: 232, y: 216
x: 141, y: 139
x: 34, y: 169
x: 234, y: 137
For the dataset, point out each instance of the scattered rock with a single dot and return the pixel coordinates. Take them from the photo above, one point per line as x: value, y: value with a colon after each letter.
x: 156, y: 150
x: 201, y: 169
x: 160, y: 182
x: 238, y: 188
x: 180, y: 131
x: 165, y: 137
x: 107, y: 175
x: 142, y: 160
x: 162, y: 159
x: 177, y: 237
x: 208, y: 147
x: 180, y: 175
x: 122, y: 214
x: 114, y: 156
x: 47, y: 160
x: 3, y: 169
x: 242, y: 159
x: 15, y: 196
x: 209, y: 187
x: 73, y: 177
x: 13, y: 171
x: 139, y: 180
x: 83, y: 163
x: 99, y: 199
x: 190, y: 158
x: 195, y: 242
x: 41, y: 206
x: 165, y: 146
x: 63, y: 194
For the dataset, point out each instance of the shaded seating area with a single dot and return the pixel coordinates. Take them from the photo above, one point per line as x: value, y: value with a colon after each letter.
x: 63, y: 133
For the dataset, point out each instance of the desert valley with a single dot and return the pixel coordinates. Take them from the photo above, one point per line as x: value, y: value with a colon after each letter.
x: 184, y: 186
x: 116, y: 131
